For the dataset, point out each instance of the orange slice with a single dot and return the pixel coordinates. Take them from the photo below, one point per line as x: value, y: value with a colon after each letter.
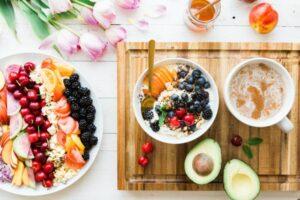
x: 49, y: 79
x: 48, y: 63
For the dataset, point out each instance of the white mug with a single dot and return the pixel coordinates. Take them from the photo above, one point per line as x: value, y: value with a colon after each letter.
x: 279, y: 118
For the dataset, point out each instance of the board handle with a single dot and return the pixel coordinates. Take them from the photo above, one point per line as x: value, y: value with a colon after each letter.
x: 285, y: 125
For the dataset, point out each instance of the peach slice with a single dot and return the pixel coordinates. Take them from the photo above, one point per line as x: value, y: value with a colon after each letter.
x: 18, y: 175
x: 14, y: 160
x: 64, y: 69
x: 49, y: 79
x: 263, y: 18
x: 6, y: 152
x: 25, y: 177
x: 78, y: 143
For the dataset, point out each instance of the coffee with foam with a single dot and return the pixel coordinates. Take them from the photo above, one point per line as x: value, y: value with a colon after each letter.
x: 257, y: 91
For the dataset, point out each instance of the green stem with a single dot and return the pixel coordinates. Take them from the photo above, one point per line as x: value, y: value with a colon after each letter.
x: 29, y: 6
x: 82, y: 4
x: 58, y: 24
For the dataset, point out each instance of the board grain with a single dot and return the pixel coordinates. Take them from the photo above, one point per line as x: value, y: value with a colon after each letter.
x: 276, y: 160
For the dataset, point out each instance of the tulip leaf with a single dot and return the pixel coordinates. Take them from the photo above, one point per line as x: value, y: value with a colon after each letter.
x: 7, y: 11
x: 39, y: 3
x: 254, y: 141
x: 66, y: 15
x: 86, y: 2
x: 37, y: 20
x: 247, y: 150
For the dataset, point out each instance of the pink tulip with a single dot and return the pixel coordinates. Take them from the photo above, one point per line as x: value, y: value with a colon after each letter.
x: 104, y: 13
x: 92, y: 45
x: 116, y: 35
x: 88, y: 17
x: 59, y: 6
x: 65, y: 40
x: 128, y: 4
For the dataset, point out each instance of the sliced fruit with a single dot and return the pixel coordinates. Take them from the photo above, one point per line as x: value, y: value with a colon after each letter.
x: 61, y: 138
x: 62, y: 106
x: 203, y: 163
x: 4, y: 139
x: 31, y: 180
x: 13, y: 106
x: 21, y: 146
x: 3, y: 113
x: 28, y: 163
x: 67, y: 124
x: 48, y: 63
x: 78, y: 143
x: 2, y: 80
x: 64, y: 69
x: 18, y: 175
x: 30, y: 154
x: 16, y: 124
x: 60, y: 87
x: 240, y: 180
x: 74, y: 159
x: 6, y: 152
x: 11, y: 68
x: 69, y: 144
x: 76, y: 128
x: 49, y: 79
x: 14, y: 160
x: 25, y: 177
x: 3, y: 95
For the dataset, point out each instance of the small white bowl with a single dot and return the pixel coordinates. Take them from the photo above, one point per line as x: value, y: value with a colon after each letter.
x: 214, y: 104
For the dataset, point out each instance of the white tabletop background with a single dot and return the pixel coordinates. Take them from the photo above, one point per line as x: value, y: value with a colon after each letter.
x: 232, y: 25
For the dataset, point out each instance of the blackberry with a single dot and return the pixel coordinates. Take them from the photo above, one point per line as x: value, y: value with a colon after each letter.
x: 67, y: 93
x: 147, y: 115
x: 90, y: 117
x: 75, y: 115
x: 82, y: 124
x: 85, y: 101
x: 91, y: 109
x: 207, y: 114
x: 75, y: 94
x: 84, y: 91
x: 155, y: 126
x: 74, y: 78
x: 85, y: 138
x: 71, y: 99
x: 86, y: 155
x: 74, y: 106
x: 93, y: 140
x: 82, y: 112
x: 67, y: 83
x: 75, y: 85
x: 92, y: 128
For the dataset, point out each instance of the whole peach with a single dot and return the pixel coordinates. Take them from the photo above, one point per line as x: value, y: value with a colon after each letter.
x: 263, y: 18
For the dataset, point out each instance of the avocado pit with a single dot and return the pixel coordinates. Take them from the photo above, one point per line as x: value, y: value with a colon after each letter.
x: 203, y: 164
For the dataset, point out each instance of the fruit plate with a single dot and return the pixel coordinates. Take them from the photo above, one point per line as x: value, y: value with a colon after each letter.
x: 40, y: 191
x: 276, y: 160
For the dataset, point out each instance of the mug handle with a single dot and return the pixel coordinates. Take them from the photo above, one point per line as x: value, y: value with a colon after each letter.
x: 285, y: 125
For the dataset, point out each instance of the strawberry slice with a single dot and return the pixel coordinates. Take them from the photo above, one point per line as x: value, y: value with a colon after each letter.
x: 67, y: 124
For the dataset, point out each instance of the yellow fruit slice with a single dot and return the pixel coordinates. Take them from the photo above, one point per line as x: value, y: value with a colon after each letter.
x: 69, y: 143
x: 18, y: 175
x: 78, y: 143
x: 49, y: 79
x: 64, y: 69
x: 60, y: 87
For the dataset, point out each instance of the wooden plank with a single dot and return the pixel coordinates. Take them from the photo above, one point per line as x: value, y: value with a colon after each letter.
x: 276, y: 160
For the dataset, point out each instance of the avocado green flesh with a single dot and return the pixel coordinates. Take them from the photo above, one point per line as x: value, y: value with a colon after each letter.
x: 240, y: 181
x: 212, y: 149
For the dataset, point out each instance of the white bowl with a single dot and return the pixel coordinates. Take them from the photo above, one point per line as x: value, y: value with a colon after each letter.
x: 214, y: 103
x: 37, y: 58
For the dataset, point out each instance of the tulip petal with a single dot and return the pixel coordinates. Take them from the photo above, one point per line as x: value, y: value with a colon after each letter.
x: 92, y: 45
x: 59, y: 6
x: 156, y: 11
x: 67, y: 41
x: 116, y: 35
x: 128, y: 4
x: 142, y: 24
x: 48, y: 41
x: 104, y: 13
x: 88, y: 17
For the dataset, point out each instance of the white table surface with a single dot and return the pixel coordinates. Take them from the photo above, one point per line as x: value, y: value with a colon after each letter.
x: 232, y: 25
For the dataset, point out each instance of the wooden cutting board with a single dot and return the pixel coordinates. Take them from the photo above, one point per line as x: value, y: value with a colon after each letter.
x: 276, y: 160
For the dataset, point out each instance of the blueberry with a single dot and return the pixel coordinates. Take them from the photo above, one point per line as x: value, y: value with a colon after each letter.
x: 189, y: 88
x: 207, y: 85
x: 182, y: 74
x: 196, y: 73
x: 200, y: 81
x: 171, y: 114
x: 197, y: 88
x: 203, y: 103
x: 184, y: 96
x: 192, y: 127
x: 175, y: 97
x: 191, y: 109
x: 181, y: 85
x: 197, y: 104
x: 190, y: 80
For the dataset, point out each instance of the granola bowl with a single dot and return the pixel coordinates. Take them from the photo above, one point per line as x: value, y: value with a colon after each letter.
x: 186, y: 101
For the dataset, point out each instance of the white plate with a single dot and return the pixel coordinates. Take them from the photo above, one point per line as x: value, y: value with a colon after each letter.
x: 37, y: 58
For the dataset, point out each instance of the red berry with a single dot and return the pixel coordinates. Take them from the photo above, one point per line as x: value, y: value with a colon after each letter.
x: 46, y: 124
x: 29, y: 66
x: 24, y: 111
x: 143, y: 161
x: 32, y: 95
x: 39, y: 120
x: 13, y: 76
x: 35, y: 151
x: 48, y: 167
x: 174, y: 122
x: 33, y: 137
x: 34, y: 105
x: 189, y: 119
x: 40, y: 176
x: 23, y: 80
x: 45, y: 136
x: 40, y: 157
x: 30, y: 129
x: 17, y: 94
x: 29, y: 119
x: 36, y: 166
x: 11, y: 87
x: 36, y: 87
x: 44, y: 146
x: 236, y: 140
x: 47, y: 183
x: 180, y: 113
x: 23, y: 73
x: 23, y: 102
x: 43, y: 103
x: 147, y: 147
x: 51, y: 176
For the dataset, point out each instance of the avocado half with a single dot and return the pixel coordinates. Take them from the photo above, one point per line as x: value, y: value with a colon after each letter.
x: 203, y: 163
x: 240, y: 181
